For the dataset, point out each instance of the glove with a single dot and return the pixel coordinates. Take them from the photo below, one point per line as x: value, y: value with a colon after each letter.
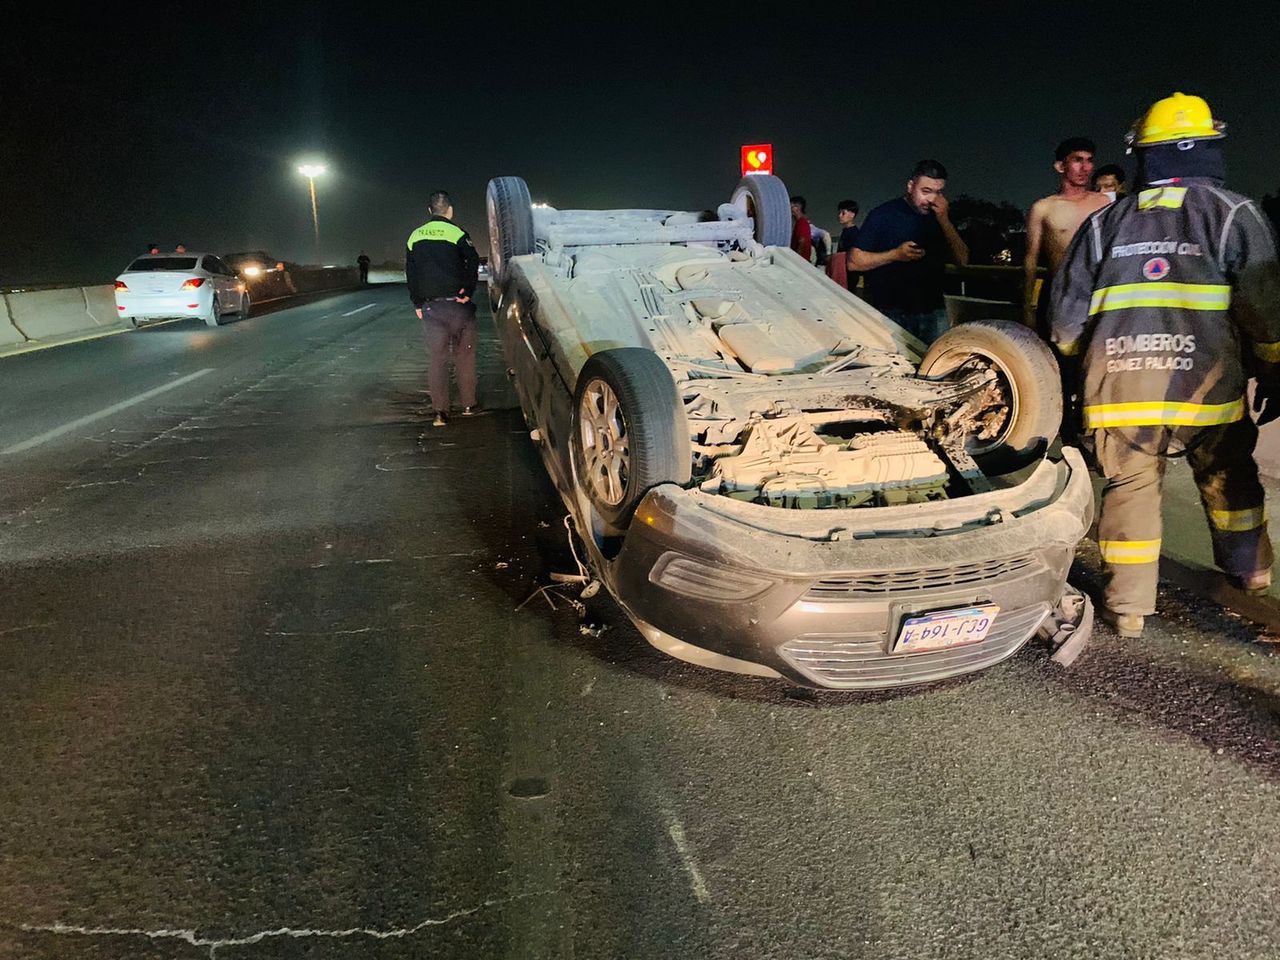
x: 1266, y: 400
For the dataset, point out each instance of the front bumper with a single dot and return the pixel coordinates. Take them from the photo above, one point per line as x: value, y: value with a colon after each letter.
x: 818, y: 596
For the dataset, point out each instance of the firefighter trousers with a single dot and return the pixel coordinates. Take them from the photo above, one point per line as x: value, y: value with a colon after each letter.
x: 1129, y: 524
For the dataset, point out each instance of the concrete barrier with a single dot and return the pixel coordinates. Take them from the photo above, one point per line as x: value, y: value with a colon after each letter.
x: 100, y: 304
x: 965, y: 309
x: 312, y: 279
x: 9, y: 334
x: 46, y: 314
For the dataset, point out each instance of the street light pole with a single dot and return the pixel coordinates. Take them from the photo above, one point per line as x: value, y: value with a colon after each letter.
x: 311, y: 171
x: 315, y: 213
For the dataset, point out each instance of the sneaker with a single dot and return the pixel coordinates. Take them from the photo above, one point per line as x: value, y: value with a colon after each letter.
x: 470, y: 411
x: 441, y: 420
x: 1258, y: 585
x: 1126, y: 624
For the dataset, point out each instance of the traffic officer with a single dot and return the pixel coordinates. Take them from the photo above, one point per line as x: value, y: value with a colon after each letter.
x: 1172, y: 299
x: 441, y: 266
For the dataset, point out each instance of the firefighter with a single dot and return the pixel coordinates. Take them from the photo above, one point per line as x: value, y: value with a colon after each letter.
x: 1171, y: 298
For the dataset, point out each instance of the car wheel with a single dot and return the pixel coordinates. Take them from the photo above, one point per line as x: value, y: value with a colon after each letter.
x: 510, y: 224
x: 629, y: 432
x: 766, y: 201
x: 243, y: 312
x: 214, y: 316
x: 1025, y: 402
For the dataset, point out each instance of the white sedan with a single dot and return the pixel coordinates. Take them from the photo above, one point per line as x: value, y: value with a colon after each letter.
x: 167, y: 285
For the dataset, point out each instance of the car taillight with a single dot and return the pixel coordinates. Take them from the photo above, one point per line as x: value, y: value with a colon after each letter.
x: 121, y: 285
x: 193, y: 283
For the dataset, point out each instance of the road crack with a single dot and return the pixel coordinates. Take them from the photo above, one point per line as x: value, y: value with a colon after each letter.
x: 193, y: 937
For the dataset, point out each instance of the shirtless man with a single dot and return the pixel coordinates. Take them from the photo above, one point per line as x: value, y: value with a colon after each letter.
x: 1054, y: 220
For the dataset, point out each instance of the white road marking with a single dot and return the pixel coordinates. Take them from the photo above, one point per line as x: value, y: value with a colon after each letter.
x: 358, y: 309
x: 676, y: 829
x: 104, y: 412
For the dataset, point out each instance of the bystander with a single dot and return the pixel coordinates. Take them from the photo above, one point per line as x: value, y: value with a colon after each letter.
x: 902, y: 251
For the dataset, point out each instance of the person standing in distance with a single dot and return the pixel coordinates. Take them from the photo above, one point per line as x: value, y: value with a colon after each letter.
x: 362, y: 262
x: 1109, y: 179
x: 801, y: 231
x: 902, y: 253
x: 837, y: 266
x: 441, y: 267
x: 847, y: 214
x: 1053, y: 222
x: 1172, y: 300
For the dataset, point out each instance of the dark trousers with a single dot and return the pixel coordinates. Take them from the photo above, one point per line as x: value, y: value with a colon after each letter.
x: 1129, y: 528
x: 449, y: 329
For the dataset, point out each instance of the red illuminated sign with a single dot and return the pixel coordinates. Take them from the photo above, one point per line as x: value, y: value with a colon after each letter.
x: 757, y: 158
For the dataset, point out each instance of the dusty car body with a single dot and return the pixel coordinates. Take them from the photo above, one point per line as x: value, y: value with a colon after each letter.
x: 769, y: 475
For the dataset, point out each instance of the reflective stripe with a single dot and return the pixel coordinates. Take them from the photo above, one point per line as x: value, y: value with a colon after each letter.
x: 1183, y: 296
x: 436, y: 230
x: 1162, y: 412
x: 1238, y: 521
x: 1130, y: 551
x: 1267, y: 351
x: 1069, y: 349
x: 1168, y: 197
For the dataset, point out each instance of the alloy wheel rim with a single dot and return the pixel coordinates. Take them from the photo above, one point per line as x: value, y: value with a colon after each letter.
x: 606, y: 445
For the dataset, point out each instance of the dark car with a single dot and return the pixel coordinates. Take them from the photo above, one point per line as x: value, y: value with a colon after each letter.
x: 266, y: 276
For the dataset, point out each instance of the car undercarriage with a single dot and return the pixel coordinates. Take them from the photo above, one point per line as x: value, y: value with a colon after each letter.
x: 691, y: 358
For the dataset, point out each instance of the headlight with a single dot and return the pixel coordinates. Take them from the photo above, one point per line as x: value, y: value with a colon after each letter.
x: 252, y: 271
x: 706, y: 581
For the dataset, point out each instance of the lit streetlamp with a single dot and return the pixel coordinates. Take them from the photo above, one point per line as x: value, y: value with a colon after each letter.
x: 311, y: 171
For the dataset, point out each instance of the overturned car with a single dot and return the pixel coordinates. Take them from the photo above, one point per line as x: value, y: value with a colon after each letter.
x: 769, y: 475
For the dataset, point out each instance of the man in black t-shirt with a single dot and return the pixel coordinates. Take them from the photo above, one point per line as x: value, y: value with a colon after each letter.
x: 902, y: 252
x: 847, y: 214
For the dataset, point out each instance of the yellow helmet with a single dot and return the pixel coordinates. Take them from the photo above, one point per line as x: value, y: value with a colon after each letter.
x: 1174, y: 119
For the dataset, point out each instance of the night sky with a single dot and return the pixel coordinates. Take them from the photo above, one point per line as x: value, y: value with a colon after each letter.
x: 186, y: 121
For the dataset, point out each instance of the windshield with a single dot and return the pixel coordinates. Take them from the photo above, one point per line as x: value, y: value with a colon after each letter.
x: 162, y: 263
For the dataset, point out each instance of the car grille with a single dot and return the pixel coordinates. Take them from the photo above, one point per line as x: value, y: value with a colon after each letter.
x: 859, y: 661
x: 928, y: 578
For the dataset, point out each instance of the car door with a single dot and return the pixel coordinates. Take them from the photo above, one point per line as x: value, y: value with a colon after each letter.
x: 208, y: 268
x: 227, y: 298
x: 231, y: 283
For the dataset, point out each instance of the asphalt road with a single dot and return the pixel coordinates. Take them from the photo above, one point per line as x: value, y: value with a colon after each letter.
x: 267, y: 690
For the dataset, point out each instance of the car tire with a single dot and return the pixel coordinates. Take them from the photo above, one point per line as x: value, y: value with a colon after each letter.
x: 245, y: 305
x: 1028, y: 375
x: 510, y: 224
x: 629, y: 432
x: 214, y: 317
x: 766, y: 201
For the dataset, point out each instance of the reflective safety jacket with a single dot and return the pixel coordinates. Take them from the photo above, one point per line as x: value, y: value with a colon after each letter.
x: 441, y: 262
x: 1163, y: 295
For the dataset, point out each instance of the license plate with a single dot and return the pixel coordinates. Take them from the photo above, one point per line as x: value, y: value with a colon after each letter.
x: 946, y: 628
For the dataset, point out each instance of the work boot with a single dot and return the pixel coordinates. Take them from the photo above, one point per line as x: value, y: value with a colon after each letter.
x: 1126, y: 624
x: 1257, y: 585
x: 442, y: 419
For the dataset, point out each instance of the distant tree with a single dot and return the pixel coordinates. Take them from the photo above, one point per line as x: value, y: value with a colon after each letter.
x: 990, y: 228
